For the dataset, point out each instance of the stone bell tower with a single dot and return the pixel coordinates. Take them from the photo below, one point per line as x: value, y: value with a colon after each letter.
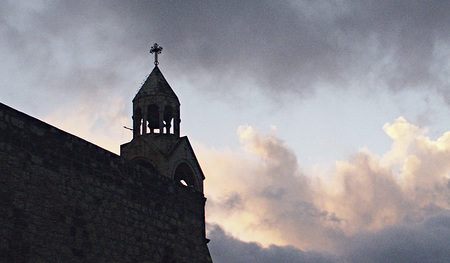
x: 156, y: 143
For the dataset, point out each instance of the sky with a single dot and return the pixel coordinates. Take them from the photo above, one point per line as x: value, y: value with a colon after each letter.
x: 321, y: 126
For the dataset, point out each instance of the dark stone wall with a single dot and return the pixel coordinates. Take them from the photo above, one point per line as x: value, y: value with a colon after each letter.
x: 63, y: 199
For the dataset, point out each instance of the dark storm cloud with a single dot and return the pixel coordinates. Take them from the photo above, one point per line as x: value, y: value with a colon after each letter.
x: 64, y: 53
x: 409, y: 243
x: 295, y: 45
x: 267, y: 42
x: 279, y: 46
x: 227, y: 249
x: 425, y: 242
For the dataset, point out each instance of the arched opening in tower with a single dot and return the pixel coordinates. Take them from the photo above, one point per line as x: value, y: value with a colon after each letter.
x: 185, y: 175
x: 153, y: 118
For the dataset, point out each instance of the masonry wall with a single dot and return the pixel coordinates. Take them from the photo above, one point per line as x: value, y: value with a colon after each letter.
x: 63, y: 199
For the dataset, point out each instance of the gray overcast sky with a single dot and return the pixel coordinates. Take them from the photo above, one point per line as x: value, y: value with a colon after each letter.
x: 283, y: 46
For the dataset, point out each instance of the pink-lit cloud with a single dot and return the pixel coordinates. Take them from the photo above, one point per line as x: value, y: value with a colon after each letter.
x: 260, y: 192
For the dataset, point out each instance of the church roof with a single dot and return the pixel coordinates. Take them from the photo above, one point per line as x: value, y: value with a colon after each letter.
x: 156, y: 85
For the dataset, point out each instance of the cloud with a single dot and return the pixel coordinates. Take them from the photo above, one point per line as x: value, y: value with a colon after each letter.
x: 60, y: 52
x: 422, y: 242
x: 407, y: 183
x: 225, y: 248
x: 298, y: 45
x: 362, y: 194
x: 260, y: 192
x: 288, y: 47
x: 426, y: 241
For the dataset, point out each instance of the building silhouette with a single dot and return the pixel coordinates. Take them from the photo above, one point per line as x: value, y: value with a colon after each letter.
x: 63, y: 199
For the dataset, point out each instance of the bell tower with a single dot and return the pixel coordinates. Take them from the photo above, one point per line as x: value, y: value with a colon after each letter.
x: 156, y: 142
x: 156, y: 108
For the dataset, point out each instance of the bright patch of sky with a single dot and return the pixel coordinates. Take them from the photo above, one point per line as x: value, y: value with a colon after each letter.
x: 329, y: 126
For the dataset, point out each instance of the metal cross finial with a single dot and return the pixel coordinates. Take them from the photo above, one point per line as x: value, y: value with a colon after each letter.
x: 157, y: 50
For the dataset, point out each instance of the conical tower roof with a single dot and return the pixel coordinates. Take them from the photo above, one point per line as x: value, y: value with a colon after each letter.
x: 156, y: 85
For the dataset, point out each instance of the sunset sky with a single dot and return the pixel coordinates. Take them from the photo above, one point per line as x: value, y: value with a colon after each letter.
x: 322, y: 127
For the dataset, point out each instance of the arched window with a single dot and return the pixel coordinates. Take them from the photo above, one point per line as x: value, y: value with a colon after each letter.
x: 185, y: 175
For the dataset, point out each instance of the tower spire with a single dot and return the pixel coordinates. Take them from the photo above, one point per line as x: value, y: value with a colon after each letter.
x: 157, y: 50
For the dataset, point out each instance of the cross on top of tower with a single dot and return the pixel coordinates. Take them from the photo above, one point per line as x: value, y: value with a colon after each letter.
x: 157, y: 50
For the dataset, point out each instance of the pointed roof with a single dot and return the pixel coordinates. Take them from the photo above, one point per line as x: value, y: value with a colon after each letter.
x: 156, y: 85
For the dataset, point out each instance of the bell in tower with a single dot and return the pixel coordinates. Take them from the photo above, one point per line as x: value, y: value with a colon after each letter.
x: 156, y: 143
